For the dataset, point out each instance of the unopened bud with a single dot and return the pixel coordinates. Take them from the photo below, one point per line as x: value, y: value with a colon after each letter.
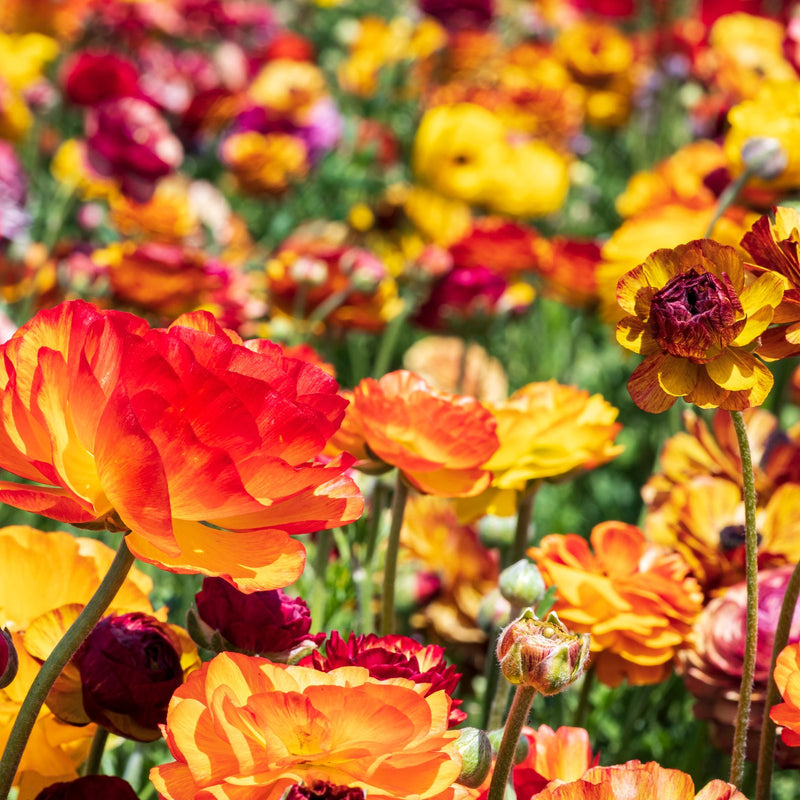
x: 523, y: 745
x: 8, y: 658
x: 476, y: 756
x: 494, y: 612
x: 496, y: 531
x: 765, y: 157
x: 522, y: 584
x: 542, y: 653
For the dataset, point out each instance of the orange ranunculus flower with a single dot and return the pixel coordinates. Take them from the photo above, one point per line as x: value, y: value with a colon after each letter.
x: 695, y: 321
x: 636, y: 781
x: 200, y: 445
x: 636, y: 599
x: 439, y: 441
x: 787, y: 679
x: 546, y: 431
x: 42, y: 575
x: 243, y: 728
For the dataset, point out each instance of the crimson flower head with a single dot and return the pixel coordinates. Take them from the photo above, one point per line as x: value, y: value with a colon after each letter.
x: 322, y: 790
x: 89, y: 787
x: 129, y: 667
x: 92, y: 77
x: 269, y: 623
x: 392, y: 657
x: 9, y: 661
x: 460, y: 14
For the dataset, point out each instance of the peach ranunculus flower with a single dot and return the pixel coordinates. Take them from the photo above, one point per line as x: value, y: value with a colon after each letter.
x: 694, y: 320
x: 42, y: 575
x: 439, y: 441
x: 200, y: 445
x: 244, y: 728
x: 636, y: 781
x: 546, y: 431
x: 636, y: 599
x: 787, y: 679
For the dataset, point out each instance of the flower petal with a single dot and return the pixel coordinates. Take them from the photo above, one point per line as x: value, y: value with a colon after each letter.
x: 706, y: 393
x: 754, y: 396
x: 766, y: 290
x: 677, y: 376
x: 645, y: 388
x: 734, y: 369
x: 635, y: 335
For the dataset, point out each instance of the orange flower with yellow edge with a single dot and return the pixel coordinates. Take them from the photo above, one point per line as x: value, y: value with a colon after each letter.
x: 696, y: 323
x: 546, y: 431
x: 787, y: 679
x: 41, y: 576
x: 203, y: 447
x: 438, y: 440
x: 636, y: 599
x: 243, y: 728
x: 634, y: 780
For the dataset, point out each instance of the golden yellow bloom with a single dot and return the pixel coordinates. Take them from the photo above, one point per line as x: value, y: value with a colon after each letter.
x: 70, y: 168
x: 440, y: 219
x: 23, y: 57
x: 289, y: 87
x: 265, y: 162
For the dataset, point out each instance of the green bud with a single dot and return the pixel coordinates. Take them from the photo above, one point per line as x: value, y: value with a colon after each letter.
x: 523, y: 746
x: 764, y: 156
x: 476, y: 756
x: 496, y: 531
x: 542, y: 653
x: 494, y: 612
x: 522, y: 584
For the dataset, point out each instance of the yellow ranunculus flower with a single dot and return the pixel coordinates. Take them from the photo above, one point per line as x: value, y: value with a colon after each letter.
x: 440, y: 219
x: 23, y: 57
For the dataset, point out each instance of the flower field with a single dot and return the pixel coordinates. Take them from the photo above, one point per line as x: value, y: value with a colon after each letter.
x: 400, y: 399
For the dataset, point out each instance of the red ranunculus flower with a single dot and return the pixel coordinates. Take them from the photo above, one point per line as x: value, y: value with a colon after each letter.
x: 89, y: 787
x: 91, y: 77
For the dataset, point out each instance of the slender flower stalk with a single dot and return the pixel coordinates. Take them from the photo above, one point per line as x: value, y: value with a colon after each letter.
x: 766, y: 749
x: 365, y: 584
x: 318, y: 594
x: 728, y: 198
x: 392, y: 550
x: 92, y: 764
x: 517, y: 716
x: 751, y: 578
x: 57, y: 660
x: 524, y: 515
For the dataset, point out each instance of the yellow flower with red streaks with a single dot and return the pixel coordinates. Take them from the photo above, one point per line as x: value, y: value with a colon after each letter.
x: 243, y: 728
x: 265, y: 162
x: 203, y: 447
x: 439, y: 441
x: 546, y: 431
x: 634, y: 780
x: 696, y: 322
x: 42, y: 576
x: 787, y: 679
x: 636, y: 599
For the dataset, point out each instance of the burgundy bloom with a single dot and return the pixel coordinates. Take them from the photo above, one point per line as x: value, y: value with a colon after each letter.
x: 693, y: 312
x: 9, y: 661
x: 392, y: 657
x: 270, y: 623
x: 90, y: 787
x: 91, y: 78
x: 130, y: 141
x: 129, y: 667
x: 459, y: 15
x: 606, y: 8
x: 322, y: 790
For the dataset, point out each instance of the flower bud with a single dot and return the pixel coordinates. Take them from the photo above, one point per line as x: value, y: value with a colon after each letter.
x: 523, y: 745
x: 494, y: 612
x: 496, y: 531
x: 522, y: 584
x: 476, y: 756
x: 268, y: 623
x: 8, y: 658
x: 542, y: 653
x: 764, y: 157
x: 89, y: 788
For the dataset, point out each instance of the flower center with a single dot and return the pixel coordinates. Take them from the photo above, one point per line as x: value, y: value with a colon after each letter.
x: 695, y: 313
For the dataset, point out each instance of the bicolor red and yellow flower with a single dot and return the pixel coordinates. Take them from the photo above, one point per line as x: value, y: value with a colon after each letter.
x: 243, y: 728
x: 696, y: 322
x: 198, y: 444
x: 636, y: 599
x: 787, y: 679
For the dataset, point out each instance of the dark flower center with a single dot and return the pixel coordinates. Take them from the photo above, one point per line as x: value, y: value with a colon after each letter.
x: 732, y: 536
x: 694, y: 313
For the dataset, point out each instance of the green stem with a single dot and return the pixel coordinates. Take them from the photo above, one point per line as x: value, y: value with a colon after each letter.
x: 56, y: 661
x: 766, y: 750
x: 524, y: 514
x: 582, y: 710
x: 321, y: 558
x: 492, y: 675
x: 727, y: 198
x: 92, y: 764
x: 392, y: 550
x: 391, y: 335
x: 499, y: 703
x: 751, y: 578
x: 365, y: 585
x: 520, y: 707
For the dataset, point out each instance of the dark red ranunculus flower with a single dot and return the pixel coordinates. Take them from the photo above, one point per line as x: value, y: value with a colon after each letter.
x: 128, y: 140
x: 9, y: 662
x: 392, y: 657
x: 129, y: 667
x: 90, y: 787
x: 289, y: 45
x: 693, y: 312
x: 506, y: 248
x: 269, y: 623
x: 459, y: 15
x: 93, y: 77
x: 322, y: 790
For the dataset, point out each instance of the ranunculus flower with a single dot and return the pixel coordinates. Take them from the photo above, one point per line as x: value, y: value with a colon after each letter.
x: 635, y: 598
x: 460, y: 14
x: 127, y: 670
x: 271, y: 623
x: 92, y: 77
x: 89, y: 787
x: 201, y: 445
x: 9, y: 661
x: 322, y: 790
x: 243, y: 728
x: 693, y: 319
x: 439, y: 441
x: 712, y: 666
x: 787, y: 713
x: 128, y: 140
x: 392, y: 657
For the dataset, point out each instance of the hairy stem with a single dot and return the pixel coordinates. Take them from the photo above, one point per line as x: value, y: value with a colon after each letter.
x: 392, y: 550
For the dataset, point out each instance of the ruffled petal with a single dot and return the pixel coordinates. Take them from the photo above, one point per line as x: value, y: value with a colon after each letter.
x: 645, y: 388
x: 677, y: 376
x: 734, y: 369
